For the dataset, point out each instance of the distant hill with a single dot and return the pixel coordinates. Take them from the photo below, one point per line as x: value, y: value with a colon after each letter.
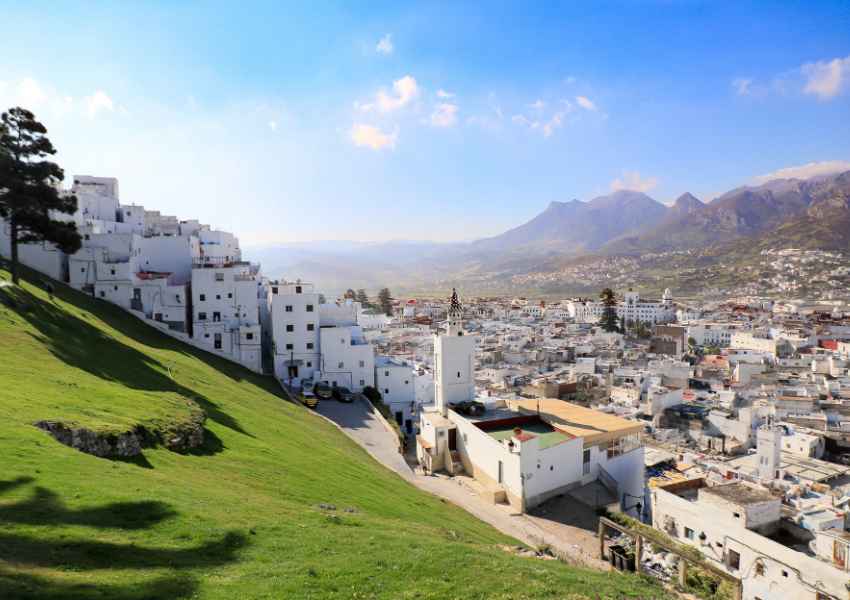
x: 240, y: 517
x: 579, y: 226
x: 745, y: 212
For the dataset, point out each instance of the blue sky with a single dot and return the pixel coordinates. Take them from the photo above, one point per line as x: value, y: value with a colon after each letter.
x: 440, y: 121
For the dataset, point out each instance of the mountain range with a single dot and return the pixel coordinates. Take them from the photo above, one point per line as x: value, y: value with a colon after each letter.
x: 805, y: 213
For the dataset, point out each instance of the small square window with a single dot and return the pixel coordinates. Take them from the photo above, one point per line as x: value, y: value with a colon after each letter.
x: 274, y: 289
x: 102, y: 294
x: 689, y: 533
x: 386, y: 390
x: 309, y: 345
x: 362, y: 382
x: 289, y: 346
x: 229, y: 295
x: 288, y: 308
x: 202, y: 297
x: 309, y: 308
x: 115, y: 287
x: 386, y: 373
x: 297, y: 289
x: 309, y: 364
x: 290, y: 328
x: 249, y: 336
x: 219, y: 276
x: 341, y: 365
x: 202, y: 316
x: 311, y: 327
x: 218, y: 296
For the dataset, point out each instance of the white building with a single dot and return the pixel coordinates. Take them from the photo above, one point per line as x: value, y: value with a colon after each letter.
x: 295, y: 331
x: 527, y: 451
x: 631, y: 309
x: 225, y: 310
x: 347, y: 359
x: 395, y: 379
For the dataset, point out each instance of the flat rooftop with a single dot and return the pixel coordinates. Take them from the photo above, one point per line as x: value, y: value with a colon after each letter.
x: 547, y: 435
x: 807, y: 469
x: 592, y: 425
x: 739, y: 493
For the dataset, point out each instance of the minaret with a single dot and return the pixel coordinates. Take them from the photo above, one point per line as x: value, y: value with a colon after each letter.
x: 769, y: 451
x: 453, y: 361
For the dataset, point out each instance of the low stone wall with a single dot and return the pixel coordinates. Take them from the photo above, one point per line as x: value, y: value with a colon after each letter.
x: 182, y: 437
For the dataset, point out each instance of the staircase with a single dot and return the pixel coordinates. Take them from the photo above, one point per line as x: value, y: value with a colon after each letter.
x: 595, y: 495
x: 455, y: 465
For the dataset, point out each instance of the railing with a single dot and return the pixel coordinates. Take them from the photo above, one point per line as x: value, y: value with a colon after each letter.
x: 606, y: 480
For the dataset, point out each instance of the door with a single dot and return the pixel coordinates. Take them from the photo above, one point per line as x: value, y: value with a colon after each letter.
x: 453, y: 439
x: 408, y: 426
x: 399, y: 417
x: 292, y: 371
x: 839, y: 553
x: 585, y: 462
x: 501, y: 472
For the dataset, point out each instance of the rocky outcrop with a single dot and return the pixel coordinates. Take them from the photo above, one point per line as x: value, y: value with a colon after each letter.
x: 112, y: 445
x: 179, y: 437
x: 185, y: 436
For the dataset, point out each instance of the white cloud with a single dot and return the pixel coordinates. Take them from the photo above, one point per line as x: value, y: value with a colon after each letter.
x: 371, y: 137
x: 826, y: 79
x: 444, y: 94
x: 385, y: 45
x: 806, y: 171
x: 525, y: 121
x: 537, y: 105
x: 30, y: 94
x: 631, y: 180
x: 743, y: 86
x: 97, y: 103
x: 405, y: 91
x: 556, y: 122
x: 585, y: 103
x: 273, y: 125
x: 444, y: 115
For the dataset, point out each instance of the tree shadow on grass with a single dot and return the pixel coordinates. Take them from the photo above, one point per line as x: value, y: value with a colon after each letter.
x: 41, y: 550
x: 82, y: 345
x: 45, y: 507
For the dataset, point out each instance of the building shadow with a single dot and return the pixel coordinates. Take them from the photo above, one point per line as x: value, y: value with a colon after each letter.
x: 81, y: 345
x: 33, y: 550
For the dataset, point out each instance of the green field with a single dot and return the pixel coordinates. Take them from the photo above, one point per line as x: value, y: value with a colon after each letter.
x: 238, y: 518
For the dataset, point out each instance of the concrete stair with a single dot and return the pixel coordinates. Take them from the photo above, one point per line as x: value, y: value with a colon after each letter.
x: 595, y: 495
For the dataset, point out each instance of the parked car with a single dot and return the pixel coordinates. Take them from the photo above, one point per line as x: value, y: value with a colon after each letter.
x: 343, y: 394
x: 323, y: 391
x: 309, y: 399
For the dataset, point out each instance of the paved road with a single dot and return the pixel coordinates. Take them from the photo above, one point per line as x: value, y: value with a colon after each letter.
x: 361, y: 422
x: 358, y: 420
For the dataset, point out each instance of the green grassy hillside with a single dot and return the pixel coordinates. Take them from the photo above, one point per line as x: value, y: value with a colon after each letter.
x: 238, y: 518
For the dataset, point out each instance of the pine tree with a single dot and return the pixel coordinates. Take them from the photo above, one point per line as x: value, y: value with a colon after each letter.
x: 29, y: 187
x: 362, y: 298
x: 385, y: 301
x: 608, y: 321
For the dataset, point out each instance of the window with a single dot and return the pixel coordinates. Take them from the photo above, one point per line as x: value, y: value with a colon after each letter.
x: 309, y: 345
x: 217, y: 341
x: 202, y: 297
x: 202, y: 316
x: 734, y: 560
x: 689, y: 533
x: 102, y: 294
x: 219, y: 276
x: 311, y: 326
x: 249, y: 336
x: 112, y: 271
x: 342, y: 340
x: 736, y: 515
x: 759, y: 568
x: 289, y: 346
x: 458, y: 374
x: 386, y: 373
x: 206, y: 335
x: 290, y: 328
x: 386, y: 390
x: 218, y: 296
x: 585, y: 462
x: 229, y: 295
x: 288, y: 308
x: 216, y: 317
x: 362, y: 382
x: 297, y: 289
x: 83, y: 270
x: 309, y: 364
x: 309, y: 308
x: 274, y: 289
x: 115, y: 287
x: 784, y: 573
x: 341, y: 365
x: 362, y: 363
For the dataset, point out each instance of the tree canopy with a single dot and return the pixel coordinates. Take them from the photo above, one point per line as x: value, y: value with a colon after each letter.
x: 609, y: 320
x: 385, y: 301
x: 30, y: 198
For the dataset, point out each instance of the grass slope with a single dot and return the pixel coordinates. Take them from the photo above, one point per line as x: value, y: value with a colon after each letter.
x: 237, y: 519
